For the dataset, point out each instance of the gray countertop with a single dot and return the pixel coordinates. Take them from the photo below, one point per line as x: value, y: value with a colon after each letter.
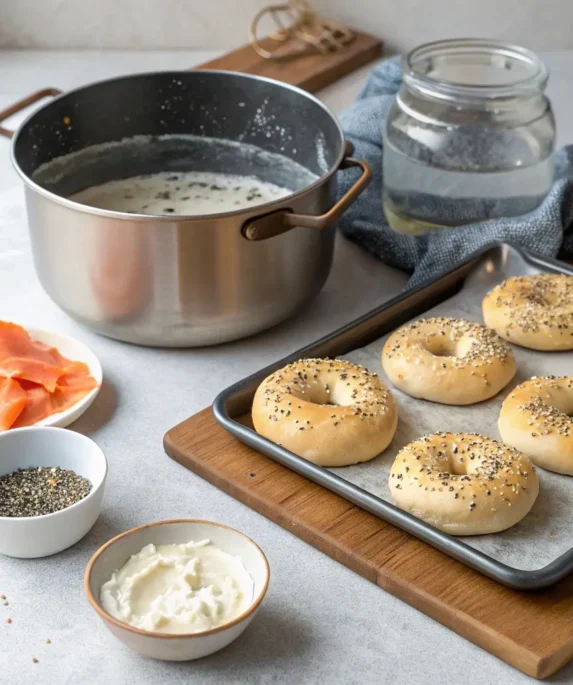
x: 320, y: 622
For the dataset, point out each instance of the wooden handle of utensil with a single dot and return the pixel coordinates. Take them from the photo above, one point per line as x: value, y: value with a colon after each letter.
x: 22, y: 104
x: 275, y: 223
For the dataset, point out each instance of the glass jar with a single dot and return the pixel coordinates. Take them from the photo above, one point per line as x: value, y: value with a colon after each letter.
x: 469, y: 137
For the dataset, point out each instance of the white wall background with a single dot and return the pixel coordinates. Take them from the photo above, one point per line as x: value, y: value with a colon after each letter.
x: 214, y: 24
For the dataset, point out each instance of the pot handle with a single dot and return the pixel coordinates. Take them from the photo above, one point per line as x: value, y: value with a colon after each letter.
x: 281, y: 221
x: 22, y: 104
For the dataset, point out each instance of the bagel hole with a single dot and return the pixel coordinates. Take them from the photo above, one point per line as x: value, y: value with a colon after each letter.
x: 316, y: 394
x: 457, y: 467
x: 328, y: 397
x: 451, y: 459
x: 442, y: 347
x: 442, y: 353
x: 458, y: 464
x: 327, y: 400
x: 563, y: 404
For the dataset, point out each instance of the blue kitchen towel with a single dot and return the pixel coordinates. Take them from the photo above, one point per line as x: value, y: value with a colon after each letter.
x: 546, y: 230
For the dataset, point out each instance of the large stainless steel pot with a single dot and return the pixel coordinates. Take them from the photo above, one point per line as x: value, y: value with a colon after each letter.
x: 183, y: 280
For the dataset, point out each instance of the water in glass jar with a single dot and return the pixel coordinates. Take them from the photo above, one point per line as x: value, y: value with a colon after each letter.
x: 419, y: 198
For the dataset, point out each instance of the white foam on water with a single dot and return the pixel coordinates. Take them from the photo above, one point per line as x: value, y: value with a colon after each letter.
x: 189, y: 193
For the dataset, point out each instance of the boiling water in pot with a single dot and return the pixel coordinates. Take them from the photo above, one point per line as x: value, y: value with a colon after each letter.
x: 188, y: 193
x: 174, y: 175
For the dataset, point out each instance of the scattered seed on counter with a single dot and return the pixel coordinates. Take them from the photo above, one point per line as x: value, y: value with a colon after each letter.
x: 48, y: 641
x: 40, y: 490
x: 34, y: 660
x: 2, y: 596
x: 8, y: 620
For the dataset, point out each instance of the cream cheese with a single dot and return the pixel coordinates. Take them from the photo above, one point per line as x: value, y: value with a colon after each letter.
x: 178, y: 588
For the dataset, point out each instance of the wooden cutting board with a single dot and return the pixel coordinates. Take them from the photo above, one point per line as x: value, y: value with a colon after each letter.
x: 312, y: 71
x: 531, y: 631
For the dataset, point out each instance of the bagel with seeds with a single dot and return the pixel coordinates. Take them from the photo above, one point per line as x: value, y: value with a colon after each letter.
x: 463, y: 483
x: 533, y: 311
x: 448, y: 360
x: 331, y: 412
x: 537, y: 418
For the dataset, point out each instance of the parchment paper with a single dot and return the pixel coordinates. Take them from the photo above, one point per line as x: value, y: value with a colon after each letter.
x: 547, y: 531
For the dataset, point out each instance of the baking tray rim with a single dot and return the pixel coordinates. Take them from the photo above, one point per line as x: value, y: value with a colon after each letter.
x: 454, y: 547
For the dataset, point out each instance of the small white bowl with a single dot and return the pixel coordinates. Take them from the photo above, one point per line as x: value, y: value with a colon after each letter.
x: 39, y: 536
x: 78, y: 352
x: 114, y: 554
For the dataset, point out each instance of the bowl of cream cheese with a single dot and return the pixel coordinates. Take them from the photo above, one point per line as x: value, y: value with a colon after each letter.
x: 177, y: 590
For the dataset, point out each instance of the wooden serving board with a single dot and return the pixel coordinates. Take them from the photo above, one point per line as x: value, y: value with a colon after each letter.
x: 312, y: 71
x: 531, y: 631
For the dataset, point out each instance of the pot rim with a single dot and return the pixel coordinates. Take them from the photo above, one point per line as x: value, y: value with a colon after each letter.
x: 125, y: 216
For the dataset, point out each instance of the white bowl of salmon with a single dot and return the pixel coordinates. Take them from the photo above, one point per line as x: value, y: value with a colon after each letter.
x: 51, y: 488
x: 46, y: 379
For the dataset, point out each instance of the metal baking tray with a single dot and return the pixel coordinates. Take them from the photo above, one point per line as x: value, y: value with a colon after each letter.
x: 457, y: 293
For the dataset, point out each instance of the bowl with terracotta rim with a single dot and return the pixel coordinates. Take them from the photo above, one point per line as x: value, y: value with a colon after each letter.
x: 187, y: 646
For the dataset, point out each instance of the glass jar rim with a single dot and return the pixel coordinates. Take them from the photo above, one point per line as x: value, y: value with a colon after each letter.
x: 533, y: 79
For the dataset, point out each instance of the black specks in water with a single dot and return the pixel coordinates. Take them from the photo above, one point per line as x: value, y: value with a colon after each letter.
x: 186, y: 197
x: 216, y: 187
x: 169, y: 210
x: 173, y: 178
x: 164, y: 195
x: 253, y: 195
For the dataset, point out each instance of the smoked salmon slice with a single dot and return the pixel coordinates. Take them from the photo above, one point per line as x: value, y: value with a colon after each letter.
x: 77, y: 378
x: 36, y: 381
x: 13, y: 399
x: 73, y: 386
x: 24, y: 359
